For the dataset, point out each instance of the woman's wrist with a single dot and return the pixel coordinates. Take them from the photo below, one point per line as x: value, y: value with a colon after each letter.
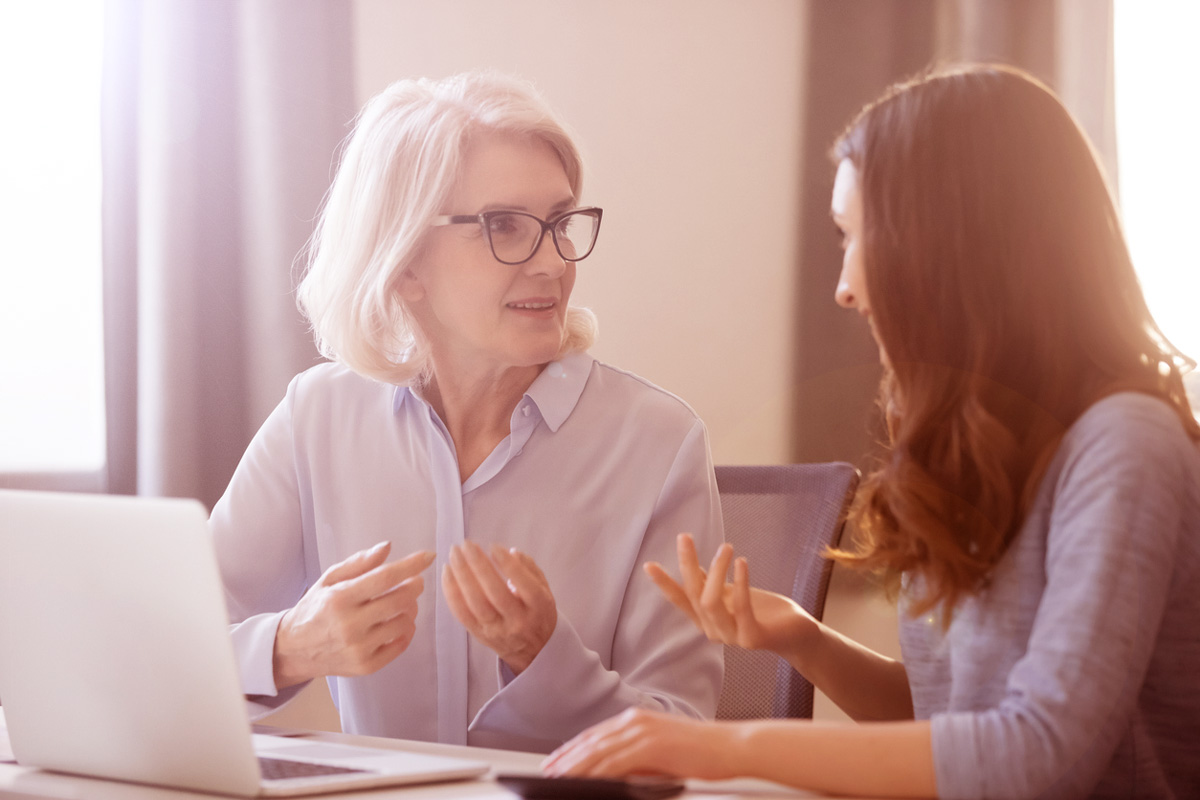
x: 730, y: 754
x: 283, y: 662
x: 803, y: 642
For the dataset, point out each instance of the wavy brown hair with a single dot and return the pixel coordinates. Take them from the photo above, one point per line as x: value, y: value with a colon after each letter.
x: 1003, y: 294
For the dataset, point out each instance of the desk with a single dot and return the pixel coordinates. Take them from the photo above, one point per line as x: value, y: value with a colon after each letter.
x: 23, y: 782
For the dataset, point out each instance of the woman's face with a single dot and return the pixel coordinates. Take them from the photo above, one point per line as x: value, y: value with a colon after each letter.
x: 847, y: 210
x: 478, y: 313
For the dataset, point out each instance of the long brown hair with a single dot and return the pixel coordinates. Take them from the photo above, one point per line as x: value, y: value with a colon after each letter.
x: 1003, y: 294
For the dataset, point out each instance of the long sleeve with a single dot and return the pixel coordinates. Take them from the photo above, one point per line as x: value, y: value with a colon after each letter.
x: 1074, y: 707
x: 659, y: 659
x: 256, y: 529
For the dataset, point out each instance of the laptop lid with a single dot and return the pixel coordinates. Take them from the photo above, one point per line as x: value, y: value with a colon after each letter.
x: 115, y: 655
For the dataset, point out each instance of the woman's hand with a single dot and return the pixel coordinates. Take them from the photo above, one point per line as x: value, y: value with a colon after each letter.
x: 733, y: 613
x: 359, y: 616
x: 639, y: 741
x: 504, y: 601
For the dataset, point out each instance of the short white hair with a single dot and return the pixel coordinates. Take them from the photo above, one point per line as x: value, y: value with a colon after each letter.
x: 397, y: 170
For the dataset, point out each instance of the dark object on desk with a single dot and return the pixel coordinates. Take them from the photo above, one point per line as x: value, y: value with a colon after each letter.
x: 636, y: 787
x: 781, y: 518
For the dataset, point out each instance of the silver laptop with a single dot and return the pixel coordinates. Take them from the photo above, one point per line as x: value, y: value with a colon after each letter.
x: 116, y: 659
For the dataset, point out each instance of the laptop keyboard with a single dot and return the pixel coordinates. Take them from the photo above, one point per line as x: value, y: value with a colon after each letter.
x: 274, y: 769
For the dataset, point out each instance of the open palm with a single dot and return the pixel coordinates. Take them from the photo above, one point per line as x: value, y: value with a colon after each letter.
x: 732, y: 612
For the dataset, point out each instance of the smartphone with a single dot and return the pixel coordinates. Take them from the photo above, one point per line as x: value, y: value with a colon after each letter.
x: 635, y: 787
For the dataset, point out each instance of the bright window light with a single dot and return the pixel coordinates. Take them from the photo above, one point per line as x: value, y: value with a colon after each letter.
x: 51, y: 362
x: 1157, y: 66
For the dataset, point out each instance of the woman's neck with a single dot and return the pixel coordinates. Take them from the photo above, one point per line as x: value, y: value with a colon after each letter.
x: 476, y: 408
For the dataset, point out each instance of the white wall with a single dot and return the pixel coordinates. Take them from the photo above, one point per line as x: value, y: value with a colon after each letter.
x: 687, y: 112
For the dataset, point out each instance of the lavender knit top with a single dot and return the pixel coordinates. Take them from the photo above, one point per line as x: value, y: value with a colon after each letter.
x: 1076, y: 672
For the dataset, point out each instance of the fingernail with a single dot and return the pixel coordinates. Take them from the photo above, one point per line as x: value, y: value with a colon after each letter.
x: 378, y: 547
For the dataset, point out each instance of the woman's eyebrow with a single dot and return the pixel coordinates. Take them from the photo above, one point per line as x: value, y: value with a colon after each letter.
x: 561, y: 205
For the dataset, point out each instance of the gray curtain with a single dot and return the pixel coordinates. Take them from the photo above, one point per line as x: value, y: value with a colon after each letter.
x: 855, y: 49
x: 221, y: 122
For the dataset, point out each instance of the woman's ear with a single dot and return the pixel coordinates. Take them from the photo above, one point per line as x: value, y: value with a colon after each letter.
x: 409, y: 286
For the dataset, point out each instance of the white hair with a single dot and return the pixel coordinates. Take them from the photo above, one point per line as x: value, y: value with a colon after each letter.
x: 397, y: 170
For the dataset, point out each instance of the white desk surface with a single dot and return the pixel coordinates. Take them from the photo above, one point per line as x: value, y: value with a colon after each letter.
x: 23, y: 782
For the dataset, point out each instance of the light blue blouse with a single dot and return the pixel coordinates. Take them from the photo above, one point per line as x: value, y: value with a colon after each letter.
x: 599, y: 473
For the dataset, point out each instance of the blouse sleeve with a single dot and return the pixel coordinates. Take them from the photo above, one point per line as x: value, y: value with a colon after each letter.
x: 257, y: 533
x: 660, y: 660
x: 1114, y: 527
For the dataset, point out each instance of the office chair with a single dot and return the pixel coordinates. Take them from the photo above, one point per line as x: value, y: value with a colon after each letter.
x: 781, y: 518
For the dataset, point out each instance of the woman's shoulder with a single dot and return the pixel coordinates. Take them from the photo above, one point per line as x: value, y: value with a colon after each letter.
x: 1129, y: 423
x: 331, y: 381
x: 617, y: 386
x: 1124, y: 443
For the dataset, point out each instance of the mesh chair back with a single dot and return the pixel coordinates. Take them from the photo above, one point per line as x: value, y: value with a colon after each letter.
x: 781, y: 518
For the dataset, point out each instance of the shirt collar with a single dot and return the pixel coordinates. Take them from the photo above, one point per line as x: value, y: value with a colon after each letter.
x: 555, y: 391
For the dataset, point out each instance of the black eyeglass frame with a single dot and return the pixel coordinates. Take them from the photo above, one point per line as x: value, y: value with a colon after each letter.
x: 483, y: 219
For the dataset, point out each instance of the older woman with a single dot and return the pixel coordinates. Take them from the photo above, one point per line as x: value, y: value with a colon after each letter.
x: 462, y: 424
x: 1038, y: 510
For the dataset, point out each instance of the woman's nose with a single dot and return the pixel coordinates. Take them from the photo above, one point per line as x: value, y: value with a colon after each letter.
x: 844, y: 296
x: 546, y: 259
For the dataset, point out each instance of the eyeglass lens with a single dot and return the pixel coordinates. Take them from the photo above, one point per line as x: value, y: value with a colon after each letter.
x: 515, y: 236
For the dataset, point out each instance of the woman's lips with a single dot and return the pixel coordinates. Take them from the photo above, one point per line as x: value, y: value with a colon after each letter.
x: 537, y: 307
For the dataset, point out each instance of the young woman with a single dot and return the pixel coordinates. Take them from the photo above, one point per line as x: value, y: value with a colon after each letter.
x: 462, y: 424
x: 1038, y: 509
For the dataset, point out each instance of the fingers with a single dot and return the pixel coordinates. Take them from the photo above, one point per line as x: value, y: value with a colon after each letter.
x: 456, y: 600
x: 672, y: 590
x: 398, y: 601
x: 384, y: 577
x: 524, y: 577
x: 600, y: 759
x: 689, y: 567
x: 622, y: 745
x: 718, y: 622
x: 361, y: 562
x: 385, y: 641
x: 579, y: 755
x: 481, y: 586
x: 504, y: 601
x: 739, y: 601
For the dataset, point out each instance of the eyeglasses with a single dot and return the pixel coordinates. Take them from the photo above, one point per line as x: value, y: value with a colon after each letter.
x: 515, y: 236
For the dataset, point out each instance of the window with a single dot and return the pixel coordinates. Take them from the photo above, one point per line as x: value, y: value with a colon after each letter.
x: 51, y: 363
x: 1157, y: 68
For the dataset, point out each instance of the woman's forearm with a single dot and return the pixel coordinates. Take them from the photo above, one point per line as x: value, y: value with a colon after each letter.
x: 885, y: 759
x: 864, y: 684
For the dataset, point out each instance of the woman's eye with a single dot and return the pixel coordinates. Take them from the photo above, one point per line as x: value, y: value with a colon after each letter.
x: 503, y: 225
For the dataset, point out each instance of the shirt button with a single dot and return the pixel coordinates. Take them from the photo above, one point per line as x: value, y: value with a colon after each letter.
x: 525, y: 410
x: 556, y: 370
